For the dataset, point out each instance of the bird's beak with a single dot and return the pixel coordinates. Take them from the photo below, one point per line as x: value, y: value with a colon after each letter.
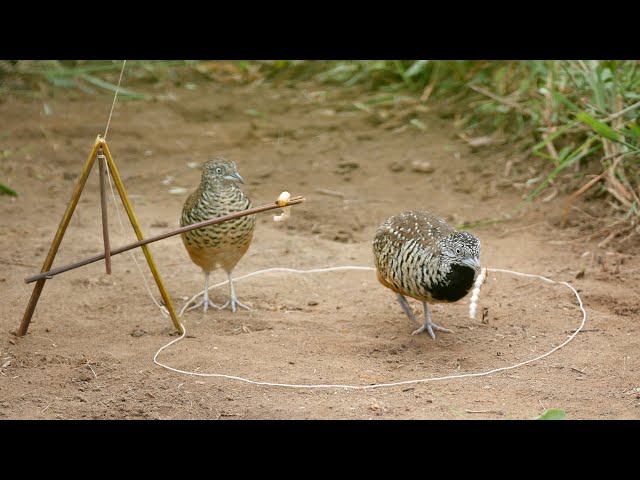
x: 473, y: 263
x: 234, y: 177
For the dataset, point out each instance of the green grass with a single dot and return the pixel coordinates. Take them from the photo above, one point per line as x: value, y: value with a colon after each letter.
x: 4, y: 190
x: 579, y: 118
x: 552, y: 414
x: 93, y: 77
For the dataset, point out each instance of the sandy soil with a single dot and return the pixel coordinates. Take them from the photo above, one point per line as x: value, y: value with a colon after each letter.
x: 90, y: 347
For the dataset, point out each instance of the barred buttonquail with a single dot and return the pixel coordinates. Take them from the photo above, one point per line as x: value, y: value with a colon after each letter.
x: 419, y: 255
x: 225, y: 243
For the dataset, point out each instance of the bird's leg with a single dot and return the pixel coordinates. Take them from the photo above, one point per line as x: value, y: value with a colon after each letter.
x: 205, y: 299
x: 406, y: 307
x: 233, y: 300
x: 428, y: 326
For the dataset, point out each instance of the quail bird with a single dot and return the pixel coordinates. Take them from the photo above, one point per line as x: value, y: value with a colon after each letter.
x: 419, y: 255
x: 223, y: 244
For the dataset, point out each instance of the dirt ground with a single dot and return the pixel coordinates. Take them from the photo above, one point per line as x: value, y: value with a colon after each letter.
x: 90, y: 347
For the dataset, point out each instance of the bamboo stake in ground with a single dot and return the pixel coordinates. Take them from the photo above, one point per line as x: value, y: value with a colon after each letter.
x: 57, y: 239
x: 103, y: 206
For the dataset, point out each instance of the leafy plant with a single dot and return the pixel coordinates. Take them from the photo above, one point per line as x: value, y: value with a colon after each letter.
x: 579, y: 116
x: 552, y: 414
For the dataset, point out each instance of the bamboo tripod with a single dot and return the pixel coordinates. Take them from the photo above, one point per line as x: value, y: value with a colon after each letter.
x: 100, y: 150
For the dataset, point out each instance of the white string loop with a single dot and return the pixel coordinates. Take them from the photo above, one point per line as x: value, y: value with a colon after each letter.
x: 377, y: 385
x: 165, y: 312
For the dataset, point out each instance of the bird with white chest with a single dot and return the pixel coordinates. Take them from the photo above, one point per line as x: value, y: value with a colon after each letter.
x: 419, y: 255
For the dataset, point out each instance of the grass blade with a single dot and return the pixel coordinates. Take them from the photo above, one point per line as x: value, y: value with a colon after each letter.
x: 598, y: 127
x: 552, y: 414
x: 418, y: 124
x: 111, y: 87
x: 7, y: 191
x: 580, y: 152
x: 554, y: 135
x: 417, y: 67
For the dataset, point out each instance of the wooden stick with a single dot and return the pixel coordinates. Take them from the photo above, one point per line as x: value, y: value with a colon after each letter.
x: 116, y: 251
x: 57, y: 239
x: 136, y: 227
x: 105, y: 219
x: 506, y: 101
x: 580, y: 191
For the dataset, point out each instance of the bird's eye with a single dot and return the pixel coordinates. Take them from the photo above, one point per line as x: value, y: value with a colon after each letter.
x: 457, y: 251
x: 218, y: 170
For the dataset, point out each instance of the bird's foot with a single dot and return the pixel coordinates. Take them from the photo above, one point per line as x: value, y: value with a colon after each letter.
x: 430, y: 327
x: 406, y: 307
x: 233, y: 302
x: 207, y: 303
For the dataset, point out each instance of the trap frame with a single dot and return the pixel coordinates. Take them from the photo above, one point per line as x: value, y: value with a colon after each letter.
x: 100, y: 150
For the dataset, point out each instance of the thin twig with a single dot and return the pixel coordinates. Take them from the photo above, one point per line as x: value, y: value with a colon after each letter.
x: 580, y: 191
x: 548, y: 113
x: 330, y: 192
x: 634, y: 231
x: 499, y: 412
x: 92, y: 371
x: 586, y: 237
x: 17, y: 264
x: 505, y: 101
x: 613, y: 116
x: 618, y: 190
x: 619, y: 197
x: 578, y: 209
x: 616, y: 155
x: 507, y: 232
x: 227, y: 415
x: 606, y: 241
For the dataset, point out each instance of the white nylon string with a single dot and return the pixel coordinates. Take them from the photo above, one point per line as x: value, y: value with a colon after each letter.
x: 114, y: 99
x: 275, y: 269
x: 162, y: 308
x: 378, y: 385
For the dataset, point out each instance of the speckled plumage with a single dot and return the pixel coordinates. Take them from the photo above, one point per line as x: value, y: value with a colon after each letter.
x: 223, y: 244
x: 419, y: 255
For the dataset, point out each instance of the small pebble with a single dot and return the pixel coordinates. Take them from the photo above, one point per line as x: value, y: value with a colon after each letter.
x: 397, y: 167
x: 422, y: 166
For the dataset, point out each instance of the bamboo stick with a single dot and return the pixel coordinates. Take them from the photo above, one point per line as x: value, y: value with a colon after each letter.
x: 136, y: 227
x: 105, y: 219
x: 116, y: 251
x: 57, y: 239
